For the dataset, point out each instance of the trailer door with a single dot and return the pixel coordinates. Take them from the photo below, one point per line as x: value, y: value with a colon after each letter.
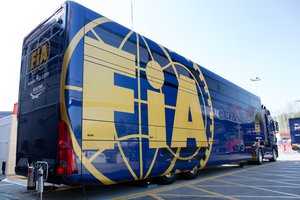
x: 39, y: 93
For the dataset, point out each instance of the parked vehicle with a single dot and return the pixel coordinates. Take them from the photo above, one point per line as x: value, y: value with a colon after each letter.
x: 101, y: 104
x: 294, y: 124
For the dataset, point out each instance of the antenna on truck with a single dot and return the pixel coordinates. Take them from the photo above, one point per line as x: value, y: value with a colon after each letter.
x: 131, y: 15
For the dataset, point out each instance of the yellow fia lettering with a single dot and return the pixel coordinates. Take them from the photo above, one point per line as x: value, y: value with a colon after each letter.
x: 44, y: 54
x: 101, y: 98
x: 33, y: 60
x: 188, y: 122
x: 40, y: 56
x: 156, y: 117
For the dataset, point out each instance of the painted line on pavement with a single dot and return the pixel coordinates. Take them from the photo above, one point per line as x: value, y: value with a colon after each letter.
x: 9, y: 196
x: 264, y: 189
x: 189, y: 196
x: 265, y: 186
x: 273, y: 181
x: 235, y: 196
x: 190, y: 182
x: 155, y: 196
x: 5, y: 184
x: 265, y: 197
x: 281, y: 175
x: 213, y: 193
x: 16, y: 182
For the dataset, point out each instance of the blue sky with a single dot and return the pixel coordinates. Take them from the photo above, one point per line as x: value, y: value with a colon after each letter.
x: 238, y: 40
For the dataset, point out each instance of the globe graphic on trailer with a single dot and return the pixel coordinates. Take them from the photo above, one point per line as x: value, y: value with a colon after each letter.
x: 151, y: 72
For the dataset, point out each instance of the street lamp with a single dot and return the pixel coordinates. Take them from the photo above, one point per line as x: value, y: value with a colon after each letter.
x: 256, y: 79
x: 298, y: 101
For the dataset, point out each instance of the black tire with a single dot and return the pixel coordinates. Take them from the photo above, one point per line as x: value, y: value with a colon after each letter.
x: 192, y: 174
x: 242, y: 164
x: 259, y: 158
x: 274, y: 156
x: 167, y: 179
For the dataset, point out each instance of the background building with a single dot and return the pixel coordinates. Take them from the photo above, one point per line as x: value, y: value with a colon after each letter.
x: 8, y: 137
x: 283, y: 123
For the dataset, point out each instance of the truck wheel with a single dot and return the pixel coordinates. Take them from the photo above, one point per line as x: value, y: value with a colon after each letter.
x: 274, y: 156
x: 167, y: 179
x: 259, y: 157
x: 192, y: 174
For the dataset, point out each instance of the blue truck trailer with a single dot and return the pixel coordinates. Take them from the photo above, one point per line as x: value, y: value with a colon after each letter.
x: 294, y: 125
x: 102, y: 104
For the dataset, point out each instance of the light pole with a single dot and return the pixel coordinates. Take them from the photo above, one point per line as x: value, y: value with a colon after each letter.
x: 298, y: 101
x: 256, y: 79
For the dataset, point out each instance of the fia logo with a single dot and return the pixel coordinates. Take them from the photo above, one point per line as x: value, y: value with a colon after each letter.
x: 134, y: 107
x: 40, y: 56
x: 137, y: 107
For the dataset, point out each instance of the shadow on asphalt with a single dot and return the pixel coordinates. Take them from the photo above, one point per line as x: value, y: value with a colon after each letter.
x: 129, y: 188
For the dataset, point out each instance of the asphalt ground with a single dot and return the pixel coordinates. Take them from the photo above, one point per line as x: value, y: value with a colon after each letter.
x: 272, y: 180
